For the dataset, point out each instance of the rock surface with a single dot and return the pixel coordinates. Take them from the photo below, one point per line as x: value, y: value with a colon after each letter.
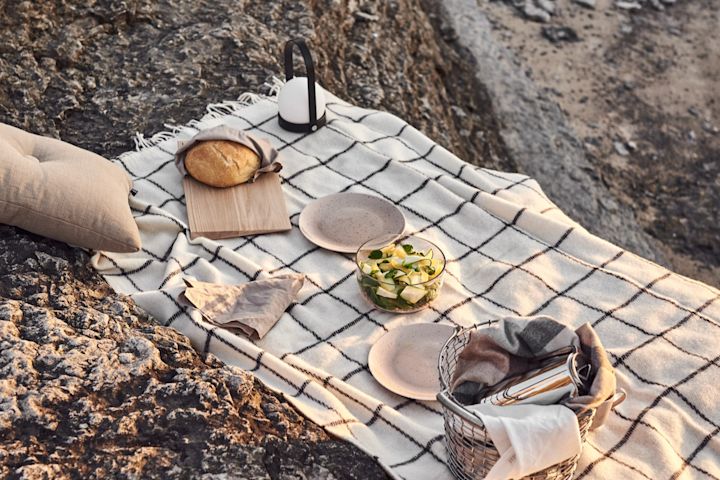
x: 90, y: 387
x: 640, y: 89
x: 94, y: 73
x: 537, y: 135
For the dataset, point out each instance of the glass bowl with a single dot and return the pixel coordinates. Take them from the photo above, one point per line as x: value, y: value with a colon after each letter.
x: 400, y: 275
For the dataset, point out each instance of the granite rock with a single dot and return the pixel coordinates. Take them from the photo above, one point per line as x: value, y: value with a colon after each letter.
x: 95, y: 73
x: 91, y: 387
x: 537, y: 136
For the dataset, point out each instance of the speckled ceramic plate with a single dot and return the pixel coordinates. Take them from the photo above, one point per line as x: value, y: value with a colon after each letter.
x: 344, y: 221
x: 405, y: 360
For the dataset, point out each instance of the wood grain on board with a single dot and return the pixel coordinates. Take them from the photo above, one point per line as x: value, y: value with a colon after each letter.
x: 246, y: 209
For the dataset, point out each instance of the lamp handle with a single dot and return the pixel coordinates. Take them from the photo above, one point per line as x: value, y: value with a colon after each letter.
x: 309, y: 69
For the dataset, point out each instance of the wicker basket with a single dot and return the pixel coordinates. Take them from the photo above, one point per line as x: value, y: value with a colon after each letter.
x: 471, y: 453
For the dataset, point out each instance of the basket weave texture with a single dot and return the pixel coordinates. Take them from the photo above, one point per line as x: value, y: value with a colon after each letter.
x: 471, y: 452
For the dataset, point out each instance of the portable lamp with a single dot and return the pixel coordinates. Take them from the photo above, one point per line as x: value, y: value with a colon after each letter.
x: 301, y: 101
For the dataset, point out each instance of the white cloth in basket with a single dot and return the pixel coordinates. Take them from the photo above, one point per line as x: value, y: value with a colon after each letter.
x: 529, y: 438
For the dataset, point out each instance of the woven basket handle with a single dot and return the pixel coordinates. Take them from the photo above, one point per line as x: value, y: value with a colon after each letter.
x: 445, y: 399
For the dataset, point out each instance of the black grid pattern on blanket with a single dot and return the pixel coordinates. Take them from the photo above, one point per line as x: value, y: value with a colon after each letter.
x: 509, y: 250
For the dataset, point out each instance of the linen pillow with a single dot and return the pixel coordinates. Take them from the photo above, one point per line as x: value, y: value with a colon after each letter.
x: 63, y: 192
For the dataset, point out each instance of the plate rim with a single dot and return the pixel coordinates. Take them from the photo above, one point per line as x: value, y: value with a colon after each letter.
x: 400, y: 391
x: 319, y: 242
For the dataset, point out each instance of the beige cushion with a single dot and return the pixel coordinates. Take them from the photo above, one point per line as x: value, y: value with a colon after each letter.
x: 63, y: 192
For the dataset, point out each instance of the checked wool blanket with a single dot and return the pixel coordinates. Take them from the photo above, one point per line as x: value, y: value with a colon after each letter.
x: 510, y: 251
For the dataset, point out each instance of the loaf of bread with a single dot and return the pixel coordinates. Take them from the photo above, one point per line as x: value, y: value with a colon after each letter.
x: 221, y: 163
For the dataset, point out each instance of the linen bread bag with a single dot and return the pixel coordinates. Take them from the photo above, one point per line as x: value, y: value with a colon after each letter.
x: 63, y: 192
x: 222, y: 156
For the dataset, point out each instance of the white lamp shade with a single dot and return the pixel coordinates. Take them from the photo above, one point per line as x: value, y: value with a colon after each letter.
x: 293, y: 101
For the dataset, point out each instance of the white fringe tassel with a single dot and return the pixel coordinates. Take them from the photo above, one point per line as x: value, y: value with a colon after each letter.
x: 214, y: 110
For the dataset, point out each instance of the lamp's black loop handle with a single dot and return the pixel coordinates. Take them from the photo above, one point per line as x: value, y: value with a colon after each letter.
x: 310, y: 71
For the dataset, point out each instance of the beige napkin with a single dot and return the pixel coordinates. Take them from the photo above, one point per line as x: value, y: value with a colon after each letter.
x: 251, y: 308
x: 268, y: 155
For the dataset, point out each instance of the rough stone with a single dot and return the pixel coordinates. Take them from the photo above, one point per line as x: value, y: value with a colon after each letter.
x: 534, y: 12
x: 586, y: 3
x: 560, y: 34
x: 620, y: 149
x: 628, y: 5
x: 657, y: 5
x: 547, y: 5
x: 710, y: 128
x: 672, y: 65
x: 536, y: 133
x: 91, y: 387
x: 94, y: 73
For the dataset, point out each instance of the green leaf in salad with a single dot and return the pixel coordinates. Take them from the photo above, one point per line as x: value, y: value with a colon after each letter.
x: 375, y: 255
x: 408, y: 248
x: 391, y: 273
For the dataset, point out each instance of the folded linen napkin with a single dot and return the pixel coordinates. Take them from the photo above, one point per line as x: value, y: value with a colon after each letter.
x: 513, y: 345
x: 529, y: 438
x: 268, y: 155
x: 251, y: 308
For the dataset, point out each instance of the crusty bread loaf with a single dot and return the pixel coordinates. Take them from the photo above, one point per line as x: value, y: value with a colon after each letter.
x: 221, y: 163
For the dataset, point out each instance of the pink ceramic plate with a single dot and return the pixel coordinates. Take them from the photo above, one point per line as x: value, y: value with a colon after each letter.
x: 405, y: 360
x: 344, y: 221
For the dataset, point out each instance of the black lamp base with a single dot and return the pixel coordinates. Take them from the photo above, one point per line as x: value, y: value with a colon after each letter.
x: 302, y: 127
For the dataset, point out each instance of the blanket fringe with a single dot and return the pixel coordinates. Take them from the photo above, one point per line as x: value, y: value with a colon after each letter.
x: 214, y: 110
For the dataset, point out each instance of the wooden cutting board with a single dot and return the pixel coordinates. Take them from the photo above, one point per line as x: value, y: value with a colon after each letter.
x: 246, y: 209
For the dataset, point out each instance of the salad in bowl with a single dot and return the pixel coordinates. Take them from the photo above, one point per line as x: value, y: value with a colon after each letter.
x: 400, y: 275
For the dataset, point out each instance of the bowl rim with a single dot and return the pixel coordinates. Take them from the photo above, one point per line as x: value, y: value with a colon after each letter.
x: 399, y: 240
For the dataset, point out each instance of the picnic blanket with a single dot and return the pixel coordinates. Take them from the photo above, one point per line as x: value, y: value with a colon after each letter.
x: 510, y: 251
